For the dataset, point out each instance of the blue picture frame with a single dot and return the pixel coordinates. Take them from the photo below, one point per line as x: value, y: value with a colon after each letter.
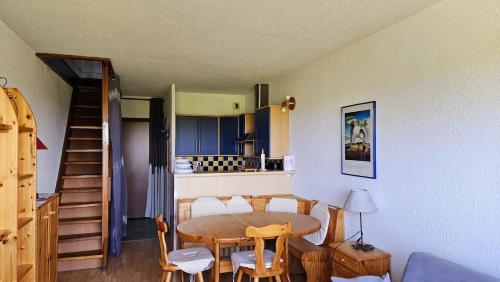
x: 358, y: 140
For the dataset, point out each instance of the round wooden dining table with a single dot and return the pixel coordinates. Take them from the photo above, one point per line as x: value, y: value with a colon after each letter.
x: 228, y: 229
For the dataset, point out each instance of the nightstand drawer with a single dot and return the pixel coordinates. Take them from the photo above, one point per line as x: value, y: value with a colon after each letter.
x: 341, y: 271
x: 346, y: 261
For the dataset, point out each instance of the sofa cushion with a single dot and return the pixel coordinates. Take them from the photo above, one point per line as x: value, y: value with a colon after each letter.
x: 367, y: 278
x: 424, y: 267
x: 207, y: 206
x: 320, y: 212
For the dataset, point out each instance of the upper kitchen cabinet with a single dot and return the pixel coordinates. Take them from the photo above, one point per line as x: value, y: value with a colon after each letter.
x: 228, y: 135
x: 271, y: 132
x: 196, y: 135
x: 208, y: 136
x: 186, y: 135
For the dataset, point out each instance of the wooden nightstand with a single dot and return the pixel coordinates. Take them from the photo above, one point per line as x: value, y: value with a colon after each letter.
x: 349, y: 263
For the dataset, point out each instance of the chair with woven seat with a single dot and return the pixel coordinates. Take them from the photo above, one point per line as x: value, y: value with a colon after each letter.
x: 263, y: 263
x: 191, y: 260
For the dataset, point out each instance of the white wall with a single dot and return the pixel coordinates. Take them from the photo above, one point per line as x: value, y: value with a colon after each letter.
x: 436, y: 79
x: 48, y: 95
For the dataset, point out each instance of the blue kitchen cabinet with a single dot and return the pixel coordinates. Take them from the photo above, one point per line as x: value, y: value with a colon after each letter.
x: 196, y: 135
x: 208, y: 136
x: 241, y: 125
x: 228, y: 135
x: 186, y: 135
x: 262, y: 130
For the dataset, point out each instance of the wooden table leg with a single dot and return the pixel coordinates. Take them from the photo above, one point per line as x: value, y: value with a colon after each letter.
x: 216, y: 267
x: 287, y: 272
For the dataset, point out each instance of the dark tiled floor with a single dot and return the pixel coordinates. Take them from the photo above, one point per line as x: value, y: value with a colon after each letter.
x: 140, y: 229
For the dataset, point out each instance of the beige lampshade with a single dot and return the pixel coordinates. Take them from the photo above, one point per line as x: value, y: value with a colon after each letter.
x: 359, y: 200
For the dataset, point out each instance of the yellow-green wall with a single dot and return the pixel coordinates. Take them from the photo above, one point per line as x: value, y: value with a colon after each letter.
x: 188, y: 103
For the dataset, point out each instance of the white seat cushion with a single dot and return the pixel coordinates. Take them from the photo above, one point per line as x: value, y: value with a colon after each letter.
x: 282, y: 205
x: 192, y: 260
x: 321, y: 213
x: 207, y: 206
x: 238, y: 205
x: 247, y: 259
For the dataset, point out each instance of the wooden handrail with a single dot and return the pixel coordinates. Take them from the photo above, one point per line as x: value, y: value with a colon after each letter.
x: 105, y: 161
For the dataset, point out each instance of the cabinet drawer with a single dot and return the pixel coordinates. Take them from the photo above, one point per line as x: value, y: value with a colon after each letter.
x: 341, y: 271
x: 347, y: 261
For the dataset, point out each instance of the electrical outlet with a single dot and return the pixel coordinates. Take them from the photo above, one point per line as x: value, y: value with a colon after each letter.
x: 236, y: 106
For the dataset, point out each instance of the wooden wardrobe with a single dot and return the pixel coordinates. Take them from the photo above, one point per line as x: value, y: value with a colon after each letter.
x: 17, y: 188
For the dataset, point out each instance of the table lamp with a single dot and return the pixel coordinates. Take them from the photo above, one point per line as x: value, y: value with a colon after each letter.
x: 359, y: 200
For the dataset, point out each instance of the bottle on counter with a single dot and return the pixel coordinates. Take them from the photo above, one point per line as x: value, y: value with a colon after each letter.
x: 262, y: 161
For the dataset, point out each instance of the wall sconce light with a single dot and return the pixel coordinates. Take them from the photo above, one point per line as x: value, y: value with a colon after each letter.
x: 289, y: 103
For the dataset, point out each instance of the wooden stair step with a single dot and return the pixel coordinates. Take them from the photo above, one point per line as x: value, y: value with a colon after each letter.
x: 92, y: 97
x: 22, y: 270
x: 87, y: 106
x: 82, y: 190
x: 83, y: 150
x: 79, y: 237
x: 81, y: 176
x: 26, y: 129
x: 83, y: 163
x: 84, y: 138
x: 4, y: 126
x: 23, y: 221
x: 92, y: 127
x: 72, y: 205
x: 80, y: 220
x: 80, y: 255
x: 88, y: 116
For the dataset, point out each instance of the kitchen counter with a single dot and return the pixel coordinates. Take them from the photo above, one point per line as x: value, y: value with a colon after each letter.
x: 232, y: 173
x: 229, y: 183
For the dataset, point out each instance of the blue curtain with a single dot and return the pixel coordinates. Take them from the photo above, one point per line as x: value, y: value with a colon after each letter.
x: 118, y: 209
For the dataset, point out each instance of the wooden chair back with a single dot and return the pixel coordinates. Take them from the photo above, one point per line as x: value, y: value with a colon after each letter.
x: 274, y: 231
x: 162, y: 229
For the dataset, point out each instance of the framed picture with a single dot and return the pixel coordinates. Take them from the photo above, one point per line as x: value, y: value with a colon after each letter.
x: 358, y: 140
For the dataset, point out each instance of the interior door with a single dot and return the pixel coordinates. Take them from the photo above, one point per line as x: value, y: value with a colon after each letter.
x: 136, y: 156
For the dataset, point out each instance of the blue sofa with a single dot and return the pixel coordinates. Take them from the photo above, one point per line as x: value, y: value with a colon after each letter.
x: 424, y: 267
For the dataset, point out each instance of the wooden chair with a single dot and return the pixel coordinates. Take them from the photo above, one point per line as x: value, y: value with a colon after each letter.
x: 168, y: 268
x: 261, y: 268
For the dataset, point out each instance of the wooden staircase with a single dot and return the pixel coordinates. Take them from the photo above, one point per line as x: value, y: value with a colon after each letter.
x: 81, y: 185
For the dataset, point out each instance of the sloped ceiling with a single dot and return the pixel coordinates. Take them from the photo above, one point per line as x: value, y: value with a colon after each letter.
x: 204, y: 46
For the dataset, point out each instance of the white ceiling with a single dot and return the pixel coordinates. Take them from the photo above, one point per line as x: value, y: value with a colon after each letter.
x: 221, y: 46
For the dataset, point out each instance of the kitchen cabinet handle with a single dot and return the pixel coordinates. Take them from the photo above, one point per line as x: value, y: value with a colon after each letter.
x: 52, y: 212
x: 45, y: 217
